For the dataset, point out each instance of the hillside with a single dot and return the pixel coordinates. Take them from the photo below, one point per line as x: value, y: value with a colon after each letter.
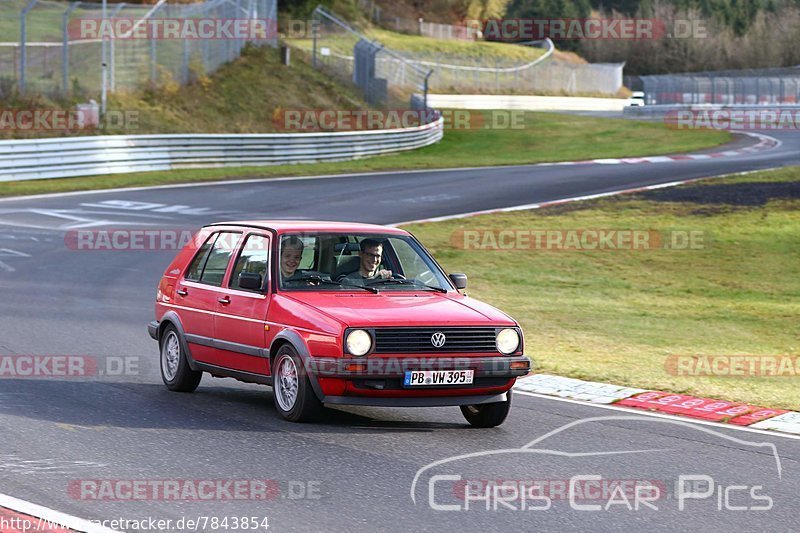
x: 240, y: 97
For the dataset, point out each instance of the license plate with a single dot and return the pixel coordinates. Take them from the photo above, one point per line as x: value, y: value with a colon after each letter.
x: 422, y: 378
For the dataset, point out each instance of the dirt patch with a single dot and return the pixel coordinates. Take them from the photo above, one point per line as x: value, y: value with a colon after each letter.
x: 740, y: 194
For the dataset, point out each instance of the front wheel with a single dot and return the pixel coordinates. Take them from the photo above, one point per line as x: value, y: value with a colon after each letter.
x: 175, y: 370
x: 294, y: 397
x: 487, y: 415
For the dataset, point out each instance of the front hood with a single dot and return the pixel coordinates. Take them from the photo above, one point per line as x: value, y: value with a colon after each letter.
x: 403, y: 309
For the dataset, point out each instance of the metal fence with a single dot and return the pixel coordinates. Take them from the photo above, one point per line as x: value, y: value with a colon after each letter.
x: 452, y: 73
x: 392, y: 18
x: 46, y: 49
x: 448, y: 31
x: 543, y: 75
x: 731, y: 87
x: 385, y: 78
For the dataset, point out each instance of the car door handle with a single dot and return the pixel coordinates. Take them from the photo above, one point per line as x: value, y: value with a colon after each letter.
x: 181, y: 292
x: 225, y: 300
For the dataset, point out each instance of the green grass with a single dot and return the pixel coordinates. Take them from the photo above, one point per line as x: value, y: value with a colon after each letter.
x: 616, y: 316
x: 419, y: 46
x: 422, y: 48
x: 544, y: 137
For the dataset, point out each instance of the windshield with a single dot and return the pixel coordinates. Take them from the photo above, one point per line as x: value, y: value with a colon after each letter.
x: 347, y: 261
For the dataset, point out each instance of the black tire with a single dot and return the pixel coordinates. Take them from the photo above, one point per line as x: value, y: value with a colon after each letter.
x: 302, y: 405
x: 487, y: 415
x: 176, y: 374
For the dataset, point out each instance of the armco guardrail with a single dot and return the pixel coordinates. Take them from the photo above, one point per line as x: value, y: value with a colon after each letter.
x: 661, y: 111
x: 90, y: 156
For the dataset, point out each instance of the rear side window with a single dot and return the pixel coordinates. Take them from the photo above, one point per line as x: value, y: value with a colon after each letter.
x: 219, y: 257
x: 199, y: 261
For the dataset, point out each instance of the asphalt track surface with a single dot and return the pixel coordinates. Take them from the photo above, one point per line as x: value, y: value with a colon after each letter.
x: 355, y: 471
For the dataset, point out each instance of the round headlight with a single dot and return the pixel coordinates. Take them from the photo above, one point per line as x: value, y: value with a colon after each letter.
x: 358, y: 342
x: 507, y: 341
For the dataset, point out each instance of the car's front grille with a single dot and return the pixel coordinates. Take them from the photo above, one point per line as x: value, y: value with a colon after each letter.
x: 419, y: 340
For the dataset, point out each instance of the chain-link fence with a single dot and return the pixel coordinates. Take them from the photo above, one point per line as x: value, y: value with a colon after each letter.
x: 453, y: 73
x: 59, y: 48
x: 448, y: 31
x: 392, y: 17
x: 543, y: 75
x: 730, y: 87
x: 384, y: 77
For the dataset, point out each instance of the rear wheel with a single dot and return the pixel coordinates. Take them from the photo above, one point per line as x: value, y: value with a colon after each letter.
x: 487, y: 415
x: 294, y: 397
x: 175, y: 370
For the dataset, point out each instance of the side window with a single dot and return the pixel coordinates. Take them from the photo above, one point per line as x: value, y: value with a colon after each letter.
x: 413, y: 266
x: 199, y: 261
x: 252, y: 259
x: 218, y: 258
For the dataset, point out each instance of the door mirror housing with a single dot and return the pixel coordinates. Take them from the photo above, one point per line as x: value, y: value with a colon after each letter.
x: 250, y: 281
x: 459, y: 280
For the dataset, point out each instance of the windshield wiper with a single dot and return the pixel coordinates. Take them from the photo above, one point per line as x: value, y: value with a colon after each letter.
x: 325, y: 281
x: 406, y: 282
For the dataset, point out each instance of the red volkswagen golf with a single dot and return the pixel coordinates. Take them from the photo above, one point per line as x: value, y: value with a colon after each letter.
x: 333, y: 313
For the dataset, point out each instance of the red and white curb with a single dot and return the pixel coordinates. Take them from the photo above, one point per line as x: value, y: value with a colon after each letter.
x: 707, y: 409
x: 765, y: 142
x: 575, y: 389
x: 788, y: 422
x: 20, y: 516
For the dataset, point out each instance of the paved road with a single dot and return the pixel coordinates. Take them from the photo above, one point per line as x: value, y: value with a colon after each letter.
x: 355, y: 471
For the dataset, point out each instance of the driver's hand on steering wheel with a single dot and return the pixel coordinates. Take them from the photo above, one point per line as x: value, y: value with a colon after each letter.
x: 385, y: 274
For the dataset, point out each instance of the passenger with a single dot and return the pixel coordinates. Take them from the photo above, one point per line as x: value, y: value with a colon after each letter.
x: 291, y: 254
x: 370, y: 254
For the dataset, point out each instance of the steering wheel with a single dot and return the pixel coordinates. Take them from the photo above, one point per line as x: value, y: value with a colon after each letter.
x: 397, y: 276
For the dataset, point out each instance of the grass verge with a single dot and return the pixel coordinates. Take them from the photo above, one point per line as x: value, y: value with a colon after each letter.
x: 543, y: 137
x: 622, y: 316
x: 428, y: 48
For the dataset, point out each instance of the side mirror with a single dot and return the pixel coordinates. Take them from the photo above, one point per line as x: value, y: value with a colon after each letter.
x: 250, y: 281
x: 459, y: 280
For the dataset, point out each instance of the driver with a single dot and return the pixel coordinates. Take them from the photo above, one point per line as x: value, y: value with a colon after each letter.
x: 370, y: 253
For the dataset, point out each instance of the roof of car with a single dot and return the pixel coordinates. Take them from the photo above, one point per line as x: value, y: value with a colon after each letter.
x: 282, y: 226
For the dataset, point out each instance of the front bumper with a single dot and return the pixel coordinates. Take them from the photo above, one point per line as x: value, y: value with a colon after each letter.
x: 396, y: 367
x: 423, y: 401
x: 379, y: 381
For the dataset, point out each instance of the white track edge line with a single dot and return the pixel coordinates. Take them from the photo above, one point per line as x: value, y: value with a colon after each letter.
x: 777, y: 144
x: 633, y: 411
x: 52, y: 516
x: 549, y: 203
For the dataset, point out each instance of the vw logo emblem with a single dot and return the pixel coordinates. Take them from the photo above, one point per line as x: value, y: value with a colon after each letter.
x: 438, y: 339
